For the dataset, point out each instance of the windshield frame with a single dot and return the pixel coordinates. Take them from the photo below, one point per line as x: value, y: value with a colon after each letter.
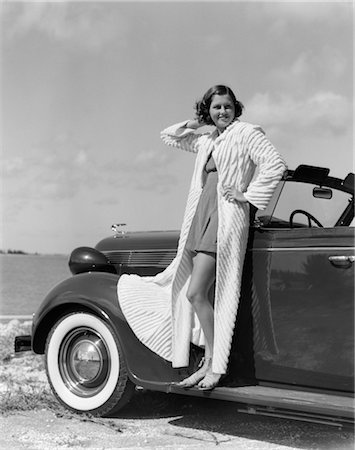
x: 315, y: 176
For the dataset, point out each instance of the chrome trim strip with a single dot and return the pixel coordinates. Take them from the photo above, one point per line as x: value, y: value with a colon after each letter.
x: 155, y: 250
x: 287, y: 249
x: 170, y: 250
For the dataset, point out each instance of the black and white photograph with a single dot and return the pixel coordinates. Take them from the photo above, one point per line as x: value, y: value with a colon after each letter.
x: 177, y: 224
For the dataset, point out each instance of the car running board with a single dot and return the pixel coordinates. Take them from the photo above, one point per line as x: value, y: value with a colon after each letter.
x: 329, y: 409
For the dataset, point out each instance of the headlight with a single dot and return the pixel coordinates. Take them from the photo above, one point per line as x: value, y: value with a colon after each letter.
x: 87, y: 259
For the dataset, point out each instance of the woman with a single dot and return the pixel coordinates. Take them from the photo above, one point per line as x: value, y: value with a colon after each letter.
x: 167, y: 312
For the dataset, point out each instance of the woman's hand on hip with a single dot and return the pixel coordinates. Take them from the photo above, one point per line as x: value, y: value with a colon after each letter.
x: 233, y: 195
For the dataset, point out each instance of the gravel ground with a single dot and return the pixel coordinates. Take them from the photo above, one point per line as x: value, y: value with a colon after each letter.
x: 31, y: 418
x: 161, y: 421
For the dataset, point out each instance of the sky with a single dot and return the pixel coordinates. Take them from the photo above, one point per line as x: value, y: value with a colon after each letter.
x: 86, y: 88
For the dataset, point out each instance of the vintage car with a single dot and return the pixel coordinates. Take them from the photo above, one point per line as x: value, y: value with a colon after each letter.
x: 293, y: 347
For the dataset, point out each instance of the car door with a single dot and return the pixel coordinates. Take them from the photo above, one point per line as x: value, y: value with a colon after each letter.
x: 303, y: 298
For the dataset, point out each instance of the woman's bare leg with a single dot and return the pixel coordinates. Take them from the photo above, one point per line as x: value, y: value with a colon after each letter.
x: 202, y: 278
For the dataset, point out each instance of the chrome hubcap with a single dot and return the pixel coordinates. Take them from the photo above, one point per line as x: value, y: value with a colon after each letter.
x: 84, y: 362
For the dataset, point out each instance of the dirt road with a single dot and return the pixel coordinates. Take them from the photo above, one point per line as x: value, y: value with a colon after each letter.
x: 31, y: 418
x: 161, y: 421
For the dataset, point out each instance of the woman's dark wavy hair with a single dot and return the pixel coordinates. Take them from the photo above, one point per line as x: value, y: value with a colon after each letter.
x: 203, y: 106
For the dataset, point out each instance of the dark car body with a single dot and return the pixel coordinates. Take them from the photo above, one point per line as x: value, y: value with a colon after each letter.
x: 293, y: 347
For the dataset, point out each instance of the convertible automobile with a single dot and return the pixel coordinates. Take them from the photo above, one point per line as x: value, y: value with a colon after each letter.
x: 293, y: 347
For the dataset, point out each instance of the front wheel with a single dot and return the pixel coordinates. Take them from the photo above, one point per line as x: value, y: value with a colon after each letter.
x: 85, y: 365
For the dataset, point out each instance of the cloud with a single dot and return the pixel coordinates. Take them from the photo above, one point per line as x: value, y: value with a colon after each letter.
x: 12, y: 166
x: 55, y: 170
x: 291, y: 11
x: 324, y: 112
x: 284, y: 19
x: 311, y: 68
x: 81, y: 158
x: 61, y: 169
x: 147, y: 170
x: 84, y: 24
x: 61, y: 178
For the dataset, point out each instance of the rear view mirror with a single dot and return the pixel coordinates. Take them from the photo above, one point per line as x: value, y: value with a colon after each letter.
x: 320, y: 192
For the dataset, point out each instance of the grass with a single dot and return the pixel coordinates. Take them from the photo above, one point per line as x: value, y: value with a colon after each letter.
x: 23, y: 382
x: 24, y: 385
x: 8, y: 332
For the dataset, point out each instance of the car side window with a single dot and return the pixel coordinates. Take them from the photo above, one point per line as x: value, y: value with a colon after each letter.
x: 294, y: 205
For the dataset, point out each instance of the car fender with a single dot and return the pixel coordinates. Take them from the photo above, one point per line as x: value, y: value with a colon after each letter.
x: 96, y: 292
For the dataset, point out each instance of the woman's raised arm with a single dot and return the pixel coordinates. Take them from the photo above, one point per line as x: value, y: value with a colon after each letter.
x: 182, y: 135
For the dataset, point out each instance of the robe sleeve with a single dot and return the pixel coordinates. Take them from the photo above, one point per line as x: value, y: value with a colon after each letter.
x: 270, y: 166
x: 181, y: 137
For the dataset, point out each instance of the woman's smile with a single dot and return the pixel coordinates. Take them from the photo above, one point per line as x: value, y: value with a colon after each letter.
x: 222, y: 111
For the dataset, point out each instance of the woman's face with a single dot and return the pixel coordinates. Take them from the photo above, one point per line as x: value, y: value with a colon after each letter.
x: 222, y: 111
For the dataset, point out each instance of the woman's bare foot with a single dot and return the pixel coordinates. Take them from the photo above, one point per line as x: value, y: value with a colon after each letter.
x: 197, y: 376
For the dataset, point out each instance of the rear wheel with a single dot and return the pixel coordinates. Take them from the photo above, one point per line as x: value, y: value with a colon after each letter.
x: 85, y: 365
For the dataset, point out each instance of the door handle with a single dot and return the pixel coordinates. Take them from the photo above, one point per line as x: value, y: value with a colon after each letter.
x: 342, y: 261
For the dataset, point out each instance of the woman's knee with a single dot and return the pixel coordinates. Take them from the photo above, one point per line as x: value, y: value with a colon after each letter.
x: 195, y: 296
x: 203, y: 275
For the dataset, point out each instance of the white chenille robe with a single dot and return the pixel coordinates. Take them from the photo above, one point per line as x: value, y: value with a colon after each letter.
x: 156, y: 308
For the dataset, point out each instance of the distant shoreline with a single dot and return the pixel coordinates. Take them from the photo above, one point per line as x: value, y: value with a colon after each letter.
x: 15, y: 252
x: 22, y: 253
x: 10, y: 317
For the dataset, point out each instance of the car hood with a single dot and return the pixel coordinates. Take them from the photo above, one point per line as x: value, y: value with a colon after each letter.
x: 140, y: 240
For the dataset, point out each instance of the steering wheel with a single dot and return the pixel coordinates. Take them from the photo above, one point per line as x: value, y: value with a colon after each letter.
x: 307, y: 214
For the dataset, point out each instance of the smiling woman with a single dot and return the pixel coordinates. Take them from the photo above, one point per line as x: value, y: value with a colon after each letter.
x: 81, y: 70
x: 218, y: 103
x: 212, y: 241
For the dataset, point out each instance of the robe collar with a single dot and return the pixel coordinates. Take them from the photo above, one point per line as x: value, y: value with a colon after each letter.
x: 222, y: 136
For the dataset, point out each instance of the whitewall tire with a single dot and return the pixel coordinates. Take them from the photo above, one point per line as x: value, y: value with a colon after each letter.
x: 85, y: 365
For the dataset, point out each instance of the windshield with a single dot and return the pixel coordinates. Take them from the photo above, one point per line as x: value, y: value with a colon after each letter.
x: 291, y: 196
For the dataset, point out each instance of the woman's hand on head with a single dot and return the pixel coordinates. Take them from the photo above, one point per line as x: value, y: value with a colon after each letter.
x: 194, y: 124
x: 233, y: 195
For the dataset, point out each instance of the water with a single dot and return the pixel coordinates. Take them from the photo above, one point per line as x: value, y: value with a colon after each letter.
x: 26, y: 280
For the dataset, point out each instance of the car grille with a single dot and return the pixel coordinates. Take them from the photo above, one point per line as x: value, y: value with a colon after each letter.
x: 141, y: 258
